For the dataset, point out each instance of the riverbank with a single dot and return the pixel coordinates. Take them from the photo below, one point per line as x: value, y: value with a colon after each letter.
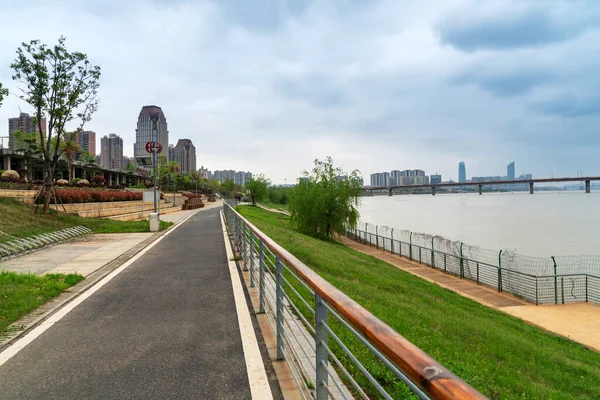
x: 501, y: 356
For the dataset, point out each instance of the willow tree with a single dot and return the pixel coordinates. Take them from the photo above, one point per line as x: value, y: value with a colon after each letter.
x: 257, y: 188
x: 325, y: 201
x: 61, y: 87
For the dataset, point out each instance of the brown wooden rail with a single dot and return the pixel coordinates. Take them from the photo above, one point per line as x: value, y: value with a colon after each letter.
x: 433, y: 378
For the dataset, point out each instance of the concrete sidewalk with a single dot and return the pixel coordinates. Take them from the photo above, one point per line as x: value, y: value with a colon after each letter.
x: 577, y: 321
x: 164, y: 326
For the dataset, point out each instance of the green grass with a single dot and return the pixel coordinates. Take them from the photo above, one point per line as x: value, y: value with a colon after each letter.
x: 503, y: 357
x: 284, y: 207
x: 19, y: 220
x: 22, y: 293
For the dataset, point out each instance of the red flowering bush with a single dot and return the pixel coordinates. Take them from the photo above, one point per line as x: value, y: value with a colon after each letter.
x: 69, y: 196
x: 98, y: 180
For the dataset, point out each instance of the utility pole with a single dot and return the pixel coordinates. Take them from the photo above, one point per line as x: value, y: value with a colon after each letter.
x: 154, y: 118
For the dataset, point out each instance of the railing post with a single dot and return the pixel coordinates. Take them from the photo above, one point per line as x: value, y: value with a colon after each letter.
x: 445, y: 256
x: 462, y: 265
x: 279, y: 293
x: 377, y: 236
x: 261, y: 276
x: 536, y: 291
x: 500, y: 271
x: 478, y: 273
x: 410, y: 247
x: 392, y: 241
x: 251, y: 259
x: 562, y: 288
x: 366, y: 229
x: 245, y: 248
x: 555, y: 282
x: 432, y: 253
x: 586, y: 288
x: 321, y: 356
x: 420, y: 262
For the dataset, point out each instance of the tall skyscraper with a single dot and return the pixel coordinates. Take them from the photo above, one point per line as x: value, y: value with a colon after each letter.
x: 87, y: 141
x: 25, y: 124
x: 462, y: 172
x: 143, y: 133
x: 171, y: 155
x: 111, y: 152
x: 185, y: 155
x: 510, y: 171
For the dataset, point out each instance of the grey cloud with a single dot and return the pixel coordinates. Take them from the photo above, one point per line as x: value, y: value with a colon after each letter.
x: 318, y: 90
x: 569, y: 106
x: 261, y: 15
x: 515, y: 26
x: 508, y: 84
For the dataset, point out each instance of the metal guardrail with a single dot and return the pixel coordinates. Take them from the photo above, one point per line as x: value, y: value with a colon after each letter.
x: 21, y: 246
x: 314, y: 321
x: 538, y: 289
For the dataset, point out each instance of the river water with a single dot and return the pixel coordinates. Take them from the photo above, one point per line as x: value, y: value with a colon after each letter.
x: 542, y: 224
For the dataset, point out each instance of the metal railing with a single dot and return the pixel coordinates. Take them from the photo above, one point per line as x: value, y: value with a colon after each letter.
x: 20, y: 246
x: 538, y: 289
x: 334, y: 347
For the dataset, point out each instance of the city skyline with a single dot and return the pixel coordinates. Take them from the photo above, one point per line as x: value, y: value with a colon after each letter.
x: 523, y: 92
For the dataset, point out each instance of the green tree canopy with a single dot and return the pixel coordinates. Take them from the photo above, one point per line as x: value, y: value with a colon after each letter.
x: 257, y: 188
x: 323, y: 204
x: 3, y: 93
x: 228, y: 186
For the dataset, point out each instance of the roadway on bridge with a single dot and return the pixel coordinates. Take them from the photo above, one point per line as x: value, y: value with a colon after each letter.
x: 166, y: 327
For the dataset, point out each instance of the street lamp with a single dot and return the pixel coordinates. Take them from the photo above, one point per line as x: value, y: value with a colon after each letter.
x: 154, y: 118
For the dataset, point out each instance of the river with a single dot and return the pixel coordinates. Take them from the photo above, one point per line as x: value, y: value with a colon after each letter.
x: 542, y: 224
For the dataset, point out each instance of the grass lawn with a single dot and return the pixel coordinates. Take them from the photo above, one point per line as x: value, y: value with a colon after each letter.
x: 17, y: 219
x: 284, y: 207
x: 22, y: 293
x: 501, y: 356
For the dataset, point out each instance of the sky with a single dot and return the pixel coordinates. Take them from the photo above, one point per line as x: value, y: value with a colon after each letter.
x: 269, y: 86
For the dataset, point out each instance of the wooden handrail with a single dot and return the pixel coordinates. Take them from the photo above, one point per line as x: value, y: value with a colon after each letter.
x: 433, y: 378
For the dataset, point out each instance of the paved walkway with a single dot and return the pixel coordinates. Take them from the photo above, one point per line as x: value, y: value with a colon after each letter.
x: 163, y: 327
x: 579, y: 321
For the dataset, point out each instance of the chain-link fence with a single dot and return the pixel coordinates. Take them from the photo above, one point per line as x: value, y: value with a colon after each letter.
x: 562, y: 279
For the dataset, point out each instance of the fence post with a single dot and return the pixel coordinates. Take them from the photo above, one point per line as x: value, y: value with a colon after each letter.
x: 462, y: 266
x: 500, y: 271
x: 536, y: 291
x: 251, y: 259
x: 261, y: 276
x: 410, y: 247
x: 478, y: 272
x: 366, y: 229
x: 445, y: 256
x: 392, y: 241
x: 321, y: 357
x: 245, y: 247
x: 562, y: 288
x: 432, y: 253
x: 279, y: 294
x: 377, y: 236
x: 420, y: 255
x: 586, y: 288
x: 555, y: 282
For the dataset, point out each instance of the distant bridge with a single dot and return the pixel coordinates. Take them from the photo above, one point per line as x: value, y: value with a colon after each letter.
x: 480, y: 185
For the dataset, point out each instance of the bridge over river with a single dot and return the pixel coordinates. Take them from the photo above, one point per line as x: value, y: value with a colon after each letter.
x: 531, y: 182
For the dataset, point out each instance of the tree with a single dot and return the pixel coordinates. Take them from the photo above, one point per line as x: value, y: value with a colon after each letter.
x: 70, y: 148
x: 214, y: 185
x: 257, y: 188
x: 228, y: 187
x: 323, y: 204
x: 195, y: 178
x: 61, y: 87
x: 27, y: 143
x: 3, y: 93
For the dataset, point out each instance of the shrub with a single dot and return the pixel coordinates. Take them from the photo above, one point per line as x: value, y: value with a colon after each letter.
x: 98, y: 180
x: 76, y: 180
x: 83, y: 182
x: 79, y: 195
x: 10, y: 176
x: 62, y: 182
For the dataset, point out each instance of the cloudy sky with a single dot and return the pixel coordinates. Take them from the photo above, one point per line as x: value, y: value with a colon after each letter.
x: 270, y: 85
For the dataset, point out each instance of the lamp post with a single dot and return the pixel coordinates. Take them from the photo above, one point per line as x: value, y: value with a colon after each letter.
x: 154, y: 118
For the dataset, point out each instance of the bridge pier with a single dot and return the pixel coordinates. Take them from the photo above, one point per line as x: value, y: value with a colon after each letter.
x: 433, y: 190
x: 587, y: 186
x: 389, y: 191
x: 480, y: 189
x: 530, y: 187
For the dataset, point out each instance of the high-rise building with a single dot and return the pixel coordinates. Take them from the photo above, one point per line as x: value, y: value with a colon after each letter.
x: 510, y: 171
x: 171, y: 153
x: 111, y: 152
x: 25, y: 124
x: 380, y: 179
x: 185, y: 154
x: 436, y: 179
x: 204, y: 172
x: 86, y: 141
x: 143, y: 133
x: 462, y: 172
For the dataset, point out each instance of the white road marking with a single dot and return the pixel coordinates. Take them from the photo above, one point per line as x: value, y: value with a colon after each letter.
x: 257, y: 376
x: 20, y: 344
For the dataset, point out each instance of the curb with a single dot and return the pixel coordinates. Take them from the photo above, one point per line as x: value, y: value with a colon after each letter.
x: 25, y: 324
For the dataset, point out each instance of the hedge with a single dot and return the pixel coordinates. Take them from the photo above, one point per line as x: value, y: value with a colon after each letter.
x: 69, y: 196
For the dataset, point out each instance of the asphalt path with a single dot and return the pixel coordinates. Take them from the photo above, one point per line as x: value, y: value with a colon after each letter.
x: 164, y: 328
